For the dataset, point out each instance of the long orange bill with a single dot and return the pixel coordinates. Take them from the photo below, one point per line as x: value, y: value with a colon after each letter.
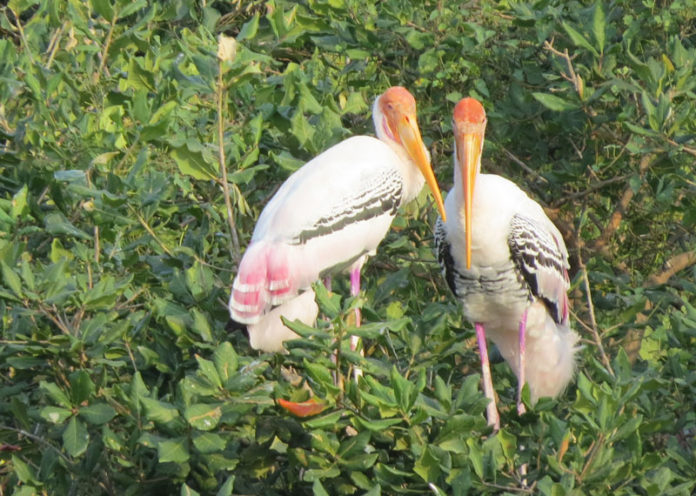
x: 468, y: 156
x: 412, y: 141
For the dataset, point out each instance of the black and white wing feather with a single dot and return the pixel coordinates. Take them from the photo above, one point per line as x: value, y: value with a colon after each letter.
x: 540, y: 255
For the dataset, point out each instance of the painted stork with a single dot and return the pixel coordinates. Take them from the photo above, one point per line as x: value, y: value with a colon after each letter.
x: 506, y: 263
x: 329, y: 216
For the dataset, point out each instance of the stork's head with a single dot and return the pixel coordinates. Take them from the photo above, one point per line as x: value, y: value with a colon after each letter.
x: 469, y: 125
x: 395, y: 120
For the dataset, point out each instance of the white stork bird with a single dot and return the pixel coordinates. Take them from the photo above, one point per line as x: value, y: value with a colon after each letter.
x: 507, y: 264
x: 329, y: 216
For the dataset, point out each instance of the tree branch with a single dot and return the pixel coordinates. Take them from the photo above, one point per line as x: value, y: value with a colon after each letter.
x: 675, y: 264
x: 600, y: 244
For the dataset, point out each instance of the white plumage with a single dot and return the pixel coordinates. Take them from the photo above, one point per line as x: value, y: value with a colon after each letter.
x: 329, y: 216
x: 510, y: 271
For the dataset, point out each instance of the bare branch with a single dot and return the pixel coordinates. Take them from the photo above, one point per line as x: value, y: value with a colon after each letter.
x: 686, y: 149
x: 600, y: 244
x: 675, y: 264
x: 571, y: 75
x: 596, y: 186
x: 528, y: 169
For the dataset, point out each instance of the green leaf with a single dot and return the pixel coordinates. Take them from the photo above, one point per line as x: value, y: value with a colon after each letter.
x: 75, y: 438
x: 19, y: 203
x: 578, y: 38
x: 226, y: 361
x: 81, y: 386
x: 249, y: 29
x: 201, y: 326
x: 208, y: 442
x: 318, y: 489
x: 329, y: 303
x: 431, y: 463
x: 55, y: 393
x: 159, y: 411
x: 320, y: 374
x: 599, y: 25
x: 173, y: 450
x: 301, y: 129
x: 404, y: 391
x: 103, y: 8
x: 554, y: 102
x: 199, y: 280
x: 54, y: 414
x: 28, y: 276
x: 131, y: 7
x: 56, y: 224
x: 324, y: 421
x: 12, y: 280
x: 377, y: 425
x: 97, y: 413
x: 227, y: 487
x: 187, y: 491
x: 207, y: 368
x: 23, y: 471
x: 192, y: 163
x: 202, y: 416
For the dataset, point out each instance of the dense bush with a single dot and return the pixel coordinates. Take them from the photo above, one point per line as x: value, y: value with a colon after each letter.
x: 120, y: 371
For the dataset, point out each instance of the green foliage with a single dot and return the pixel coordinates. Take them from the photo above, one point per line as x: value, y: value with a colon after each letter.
x: 119, y: 373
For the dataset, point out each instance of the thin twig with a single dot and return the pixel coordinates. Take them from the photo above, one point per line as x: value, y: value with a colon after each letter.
x: 54, y: 44
x: 234, y: 250
x: 591, y: 189
x: 526, y: 490
x: 105, y: 50
x: 38, y: 439
x: 97, y: 248
x: 147, y: 227
x: 686, y: 149
x: 55, y: 319
x: 528, y: 169
x: 571, y: 76
x: 21, y: 35
x: 593, y: 320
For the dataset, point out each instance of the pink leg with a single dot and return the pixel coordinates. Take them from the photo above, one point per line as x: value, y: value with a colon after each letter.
x: 522, y: 364
x: 491, y: 409
x: 355, y: 291
x: 327, y: 283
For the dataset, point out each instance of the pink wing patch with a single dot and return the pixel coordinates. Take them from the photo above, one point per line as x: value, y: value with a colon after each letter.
x: 264, y: 279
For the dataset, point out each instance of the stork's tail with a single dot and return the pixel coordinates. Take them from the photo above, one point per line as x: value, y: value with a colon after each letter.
x: 263, y: 280
x: 553, y: 364
x: 269, y: 333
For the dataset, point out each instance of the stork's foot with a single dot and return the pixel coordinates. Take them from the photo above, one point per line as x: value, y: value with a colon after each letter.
x: 521, y: 409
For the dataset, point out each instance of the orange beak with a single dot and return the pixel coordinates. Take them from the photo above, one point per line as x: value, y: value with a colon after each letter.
x: 468, y: 157
x: 407, y: 127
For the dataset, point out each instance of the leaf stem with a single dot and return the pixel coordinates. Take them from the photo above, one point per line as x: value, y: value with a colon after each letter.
x: 593, y: 320
x: 234, y: 248
x: 105, y: 49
